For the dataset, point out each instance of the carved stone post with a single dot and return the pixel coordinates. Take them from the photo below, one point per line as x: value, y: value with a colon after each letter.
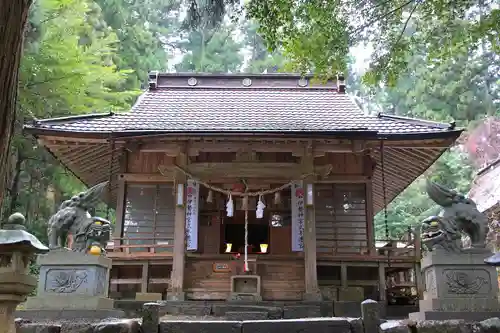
x: 17, y: 249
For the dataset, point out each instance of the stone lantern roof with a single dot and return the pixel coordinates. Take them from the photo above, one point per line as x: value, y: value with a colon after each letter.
x: 13, y: 234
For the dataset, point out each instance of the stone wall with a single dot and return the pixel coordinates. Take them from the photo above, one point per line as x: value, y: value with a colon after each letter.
x: 369, y: 322
x: 310, y: 325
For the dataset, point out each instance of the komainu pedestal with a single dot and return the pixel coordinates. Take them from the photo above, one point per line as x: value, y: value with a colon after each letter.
x: 72, y: 285
x: 458, y: 286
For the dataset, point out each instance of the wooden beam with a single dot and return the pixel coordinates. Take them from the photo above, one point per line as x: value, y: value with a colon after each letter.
x: 382, y: 283
x: 343, y: 179
x: 343, y: 275
x: 120, y: 212
x: 245, y: 170
x: 370, y: 234
x: 62, y: 139
x: 177, y: 275
x: 311, y: 275
x: 296, y: 149
x: 146, y: 177
x: 145, y: 277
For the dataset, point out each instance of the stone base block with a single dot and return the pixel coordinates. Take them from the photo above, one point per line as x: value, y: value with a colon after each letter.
x: 471, y: 304
x: 245, y: 297
x: 38, y: 328
x: 69, y: 302
x: 351, y: 294
x: 200, y: 326
x: 245, y: 288
x: 453, y: 315
x: 316, y: 325
x: 148, y: 297
x: 346, y: 309
x: 187, y: 308
x: 69, y: 314
x: 247, y: 315
x: 176, y: 296
x: 220, y: 310
x: 301, y: 311
x: 315, y: 296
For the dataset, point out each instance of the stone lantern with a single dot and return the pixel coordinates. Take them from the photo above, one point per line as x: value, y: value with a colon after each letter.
x: 17, y: 248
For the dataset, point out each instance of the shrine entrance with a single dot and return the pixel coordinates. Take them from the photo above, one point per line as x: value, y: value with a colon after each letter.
x: 233, y: 233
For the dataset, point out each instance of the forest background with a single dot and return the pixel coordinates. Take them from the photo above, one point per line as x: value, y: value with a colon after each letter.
x: 83, y: 56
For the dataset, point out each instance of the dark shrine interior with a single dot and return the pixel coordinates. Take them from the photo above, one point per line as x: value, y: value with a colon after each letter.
x: 233, y: 231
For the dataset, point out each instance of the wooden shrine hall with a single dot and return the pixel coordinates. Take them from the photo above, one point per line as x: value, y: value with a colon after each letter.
x: 239, y: 186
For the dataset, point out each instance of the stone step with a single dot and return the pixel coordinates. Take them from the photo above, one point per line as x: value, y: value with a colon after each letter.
x: 246, y: 315
x: 221, y: 309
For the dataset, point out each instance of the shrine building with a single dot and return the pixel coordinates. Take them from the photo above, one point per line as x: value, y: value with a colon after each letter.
x: 244, y: 186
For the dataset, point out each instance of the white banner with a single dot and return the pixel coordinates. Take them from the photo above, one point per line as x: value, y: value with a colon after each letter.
x: 298, y: 215
x: 192, y: 200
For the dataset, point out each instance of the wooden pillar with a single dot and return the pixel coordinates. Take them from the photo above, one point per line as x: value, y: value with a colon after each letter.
x: 120, y: 199
x: 311, y: 275
x: 145, y: 277
x: 370, y: 235
x: 419, y: 281
x: 177, y: 276
x: 120, y: 212
x: 382, y: 283
x: 343, y: 275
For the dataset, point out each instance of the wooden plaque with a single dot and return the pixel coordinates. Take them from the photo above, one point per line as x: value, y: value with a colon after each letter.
x: 220, y: 267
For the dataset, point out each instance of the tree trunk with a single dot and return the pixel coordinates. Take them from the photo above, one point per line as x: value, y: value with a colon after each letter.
x: 14, y: 189
x: 13, y: 17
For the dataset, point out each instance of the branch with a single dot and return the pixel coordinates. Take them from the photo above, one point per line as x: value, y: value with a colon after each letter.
x: 406, y: 24
x: 380, y: 17
x: 54, y: 16
x: 31, y: 84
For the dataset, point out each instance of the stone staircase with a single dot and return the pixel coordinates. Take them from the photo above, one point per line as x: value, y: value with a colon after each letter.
x: 260, y: 310
x: 248, y: 311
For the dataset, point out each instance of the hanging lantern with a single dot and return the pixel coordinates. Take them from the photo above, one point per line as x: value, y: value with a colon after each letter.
x: 259, y: 213
x: 210, y: 197
x: 277, y: 198
x: 230, y: 206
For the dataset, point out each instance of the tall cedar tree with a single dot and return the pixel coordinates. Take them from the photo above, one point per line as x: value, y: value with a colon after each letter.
x: 13, y: 17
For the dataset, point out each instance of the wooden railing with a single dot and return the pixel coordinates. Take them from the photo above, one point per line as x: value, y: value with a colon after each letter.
x: 139, y: 246
x: 140, y: 281
x: 395, y: 249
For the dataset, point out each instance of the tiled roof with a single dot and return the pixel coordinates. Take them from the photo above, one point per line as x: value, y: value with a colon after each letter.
x: 485, y: 189
x: 236, y: 109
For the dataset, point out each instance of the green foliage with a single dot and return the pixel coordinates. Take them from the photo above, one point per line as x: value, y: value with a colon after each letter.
x: 261, y: 60
x: 463, y: 89
x: 452, y: 170
x: 141, y: 28
x: 211, y: 51
x: 67, y: 69
x: 316, y: 35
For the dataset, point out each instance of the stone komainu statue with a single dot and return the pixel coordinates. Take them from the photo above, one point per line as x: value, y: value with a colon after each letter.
x: 73, y: 221
x: 459, y: 216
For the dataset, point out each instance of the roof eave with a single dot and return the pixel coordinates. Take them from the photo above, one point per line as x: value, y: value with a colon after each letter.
x: 367, y: 134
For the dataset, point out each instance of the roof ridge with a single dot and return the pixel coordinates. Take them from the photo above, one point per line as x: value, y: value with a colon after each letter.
x: 489, y: 166
x: 37, y: 122
x: 416, y: 121
x: 215, y: 87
